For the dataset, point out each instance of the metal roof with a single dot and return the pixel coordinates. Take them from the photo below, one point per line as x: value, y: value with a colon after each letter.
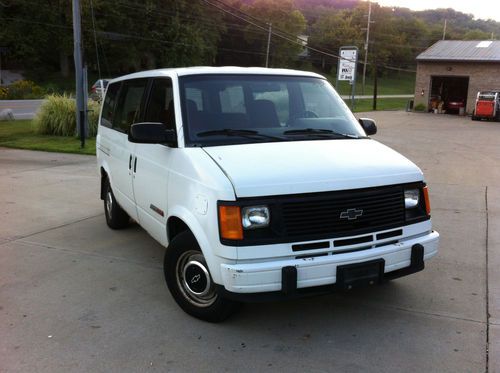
x: 460, y: 50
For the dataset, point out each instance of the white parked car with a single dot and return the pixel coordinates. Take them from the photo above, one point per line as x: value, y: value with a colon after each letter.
x: 260, y: 183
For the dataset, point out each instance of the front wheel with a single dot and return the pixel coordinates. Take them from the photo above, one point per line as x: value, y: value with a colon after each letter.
x: 190, y: 282
x: 116, y: 217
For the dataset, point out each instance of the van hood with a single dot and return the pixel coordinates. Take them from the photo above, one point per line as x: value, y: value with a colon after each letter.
x: 294, y: 167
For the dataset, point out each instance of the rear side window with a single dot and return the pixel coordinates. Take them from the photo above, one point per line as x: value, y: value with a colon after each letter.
x: 128, y: 110
x: 108, y: 106
x: 161, y: 103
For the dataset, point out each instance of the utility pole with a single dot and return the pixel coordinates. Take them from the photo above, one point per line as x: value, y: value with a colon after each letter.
x: 269, y: 43
x: 366, y: 44
x: 444, y: 28
x: 81, y: 105
x: 375, y: 86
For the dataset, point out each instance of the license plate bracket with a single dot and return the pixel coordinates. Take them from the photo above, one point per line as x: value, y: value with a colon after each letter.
x: 355, y: 275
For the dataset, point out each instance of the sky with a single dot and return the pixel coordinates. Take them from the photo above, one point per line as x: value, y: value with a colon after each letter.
x: 480, y: 8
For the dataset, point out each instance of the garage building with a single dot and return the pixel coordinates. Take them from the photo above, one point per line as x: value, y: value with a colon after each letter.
x: 453, y: 71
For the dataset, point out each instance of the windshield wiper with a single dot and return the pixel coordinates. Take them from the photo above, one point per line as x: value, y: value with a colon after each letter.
x: 320, y: 132
x: 251, y: 134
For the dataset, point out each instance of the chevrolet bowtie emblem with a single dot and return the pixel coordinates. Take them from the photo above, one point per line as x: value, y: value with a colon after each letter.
x: 351, y: 214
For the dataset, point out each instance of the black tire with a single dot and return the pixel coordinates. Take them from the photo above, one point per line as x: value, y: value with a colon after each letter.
x: 116, y: 217
x: 184, y: 259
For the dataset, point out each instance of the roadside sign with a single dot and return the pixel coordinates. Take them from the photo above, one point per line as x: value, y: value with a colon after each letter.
x: 346, y: 69
x: 347, y: 64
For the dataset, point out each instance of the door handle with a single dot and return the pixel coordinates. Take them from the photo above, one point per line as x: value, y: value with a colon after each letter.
x: 135, y: 164
x: 130, y: 162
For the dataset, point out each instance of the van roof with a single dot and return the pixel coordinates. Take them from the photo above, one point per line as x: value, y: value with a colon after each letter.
x: 202, y: 70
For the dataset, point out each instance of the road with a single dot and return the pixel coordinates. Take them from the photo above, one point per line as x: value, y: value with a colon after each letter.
x: 76, y: 296
x: 361, y: 97
x: 22, y: 109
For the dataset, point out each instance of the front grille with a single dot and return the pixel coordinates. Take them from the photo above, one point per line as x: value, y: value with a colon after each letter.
x: 319, y: 215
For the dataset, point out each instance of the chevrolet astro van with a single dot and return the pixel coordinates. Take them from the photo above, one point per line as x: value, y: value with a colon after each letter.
x: 260, y: 183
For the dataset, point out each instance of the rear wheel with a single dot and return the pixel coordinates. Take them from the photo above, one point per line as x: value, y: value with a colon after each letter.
x: 116, y: 217
x: 474, y: 116
x: 190, y: 282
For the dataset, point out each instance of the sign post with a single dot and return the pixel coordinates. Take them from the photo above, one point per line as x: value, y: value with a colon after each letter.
x: 81, y: 105
x: 2, y: 50
x: 346, y: 71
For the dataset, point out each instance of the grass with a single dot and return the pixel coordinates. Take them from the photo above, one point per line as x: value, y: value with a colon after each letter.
x: 392, y: 83
x: 382, y: 104
x: 21, y: 134
x: 402, y: 83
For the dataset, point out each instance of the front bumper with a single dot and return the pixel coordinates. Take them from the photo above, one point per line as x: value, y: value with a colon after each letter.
x: 316, y: 272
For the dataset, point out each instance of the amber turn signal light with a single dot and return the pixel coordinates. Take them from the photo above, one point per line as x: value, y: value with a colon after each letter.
x: 427, y: 201
x: 230, y: 222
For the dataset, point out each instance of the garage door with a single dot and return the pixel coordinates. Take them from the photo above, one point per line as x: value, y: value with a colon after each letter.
x: 450, y: 92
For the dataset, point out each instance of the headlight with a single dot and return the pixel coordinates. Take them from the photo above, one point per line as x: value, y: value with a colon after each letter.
x: 412, y: 198
x: 255, y: 217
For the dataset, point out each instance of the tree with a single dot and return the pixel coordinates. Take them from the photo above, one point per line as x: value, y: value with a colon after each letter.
x: 476, y: 34
x: 39, y: 34
x: 283, y: 15
x: 333, y: 30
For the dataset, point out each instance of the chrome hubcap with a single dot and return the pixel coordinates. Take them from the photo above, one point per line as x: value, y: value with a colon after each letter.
x: 109, y: 203
x: 194, y: 280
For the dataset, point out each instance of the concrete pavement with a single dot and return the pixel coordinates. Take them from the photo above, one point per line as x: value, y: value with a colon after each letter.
x: 76, y: 296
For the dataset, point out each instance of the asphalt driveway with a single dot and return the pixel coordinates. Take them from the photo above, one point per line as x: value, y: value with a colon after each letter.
x: 76, y: 296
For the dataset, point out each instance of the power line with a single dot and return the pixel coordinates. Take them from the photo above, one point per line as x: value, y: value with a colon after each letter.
x: 118, y: 35
x: 263, y: 29
x: 280, y: 32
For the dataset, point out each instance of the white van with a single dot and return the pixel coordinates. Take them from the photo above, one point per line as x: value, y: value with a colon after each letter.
x: 260, y: 183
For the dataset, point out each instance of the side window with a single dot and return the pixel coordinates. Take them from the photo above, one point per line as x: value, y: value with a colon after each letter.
x: 108, y: 106
x: 161, y: 103
x: 129, y: 104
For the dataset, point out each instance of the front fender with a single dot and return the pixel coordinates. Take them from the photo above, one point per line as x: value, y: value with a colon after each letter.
x: 209, y: 249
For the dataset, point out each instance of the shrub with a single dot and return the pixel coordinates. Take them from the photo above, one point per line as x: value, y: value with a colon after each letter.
x: 57, y: 116
x: 4, y: 93
x: 420, y: 107
x: 22, y: 89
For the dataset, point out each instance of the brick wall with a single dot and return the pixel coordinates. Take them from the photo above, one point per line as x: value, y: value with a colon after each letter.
x: 482, y: 76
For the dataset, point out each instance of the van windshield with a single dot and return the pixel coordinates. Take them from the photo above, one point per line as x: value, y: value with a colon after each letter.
x: 234, y: 109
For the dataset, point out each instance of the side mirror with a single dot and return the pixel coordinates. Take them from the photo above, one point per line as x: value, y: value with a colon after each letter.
x: 151, y: 133
x: 368, y: 125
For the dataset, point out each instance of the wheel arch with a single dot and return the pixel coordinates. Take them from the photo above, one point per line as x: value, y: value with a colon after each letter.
x: 105, y: 176
x: 180, y: 219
